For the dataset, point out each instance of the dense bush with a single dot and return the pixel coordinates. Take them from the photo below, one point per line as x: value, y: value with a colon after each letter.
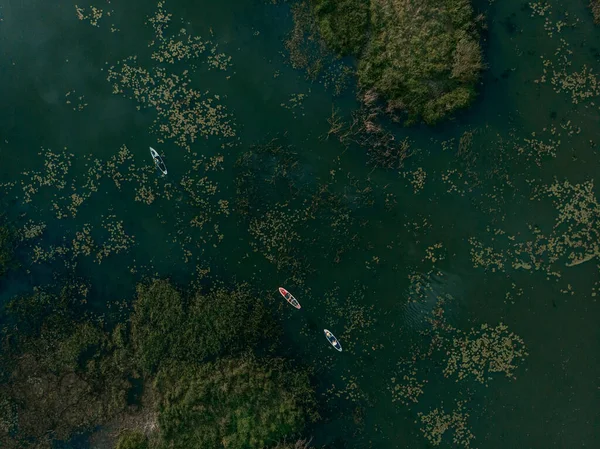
x: 237, y: 403
x: 132, y: 440
x: 167, y: 325
x: 343, y: 24
x: 60, y: 375
x: 423, y: 57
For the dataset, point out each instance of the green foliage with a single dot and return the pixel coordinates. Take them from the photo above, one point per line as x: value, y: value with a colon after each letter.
x: 60, y: 375
x: 132, y: 440
x: 168, y: 326
x: 64, y: 374
x: 156, y: 323
x: 343, y: 24
x: 237, y: 403
x: 423, y: 57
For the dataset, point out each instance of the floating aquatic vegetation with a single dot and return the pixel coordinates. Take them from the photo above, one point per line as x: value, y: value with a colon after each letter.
x: 182, y: 47
x: 538, y: 149
x: 417, y: 179
x: 78, y: 103
x: 32, y: 230
x: 577, y: 226
x: 454, y: 180
x: 219, y: 61
x: 516, y: 292
x: 435, y: 253
x: 595, y: 7
x: 64, y: 191
x: 419, y: 286
x: 407, y: 388
x: 287, y: 214
x: 93, y: 16
x: 305, y: 47
x: 83, y: 244
x: 54, y: 174
x: 118, y: 240
x: 551, y: 26
x: 351, y: 391
x: 420, y: 227
x: 437, y: 422
x: 356, y: 318
x: 444, y: 352
x: 485, y: 256
x: 483, y: 351
x: 573, y: 238
x: 160, y: 20
x: 338, y: 77
x: 580, y: 85
x: 294, y: 103
x: 184, y: 113
x: 200, y: 193
x: 276, y: 238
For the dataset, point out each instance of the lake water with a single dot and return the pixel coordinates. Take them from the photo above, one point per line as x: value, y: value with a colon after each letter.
x: 463, y: 287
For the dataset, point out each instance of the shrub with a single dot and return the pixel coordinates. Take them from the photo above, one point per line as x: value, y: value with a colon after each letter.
x: 167, y: 325
x: 132, y: 440
x: 423, y: 57
x: 343, y: 24
x: 238, y: 403
x: 57, y: 372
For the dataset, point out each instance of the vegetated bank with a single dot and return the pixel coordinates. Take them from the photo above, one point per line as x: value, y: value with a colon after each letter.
x: 188, y: 369
x: 422, y: 58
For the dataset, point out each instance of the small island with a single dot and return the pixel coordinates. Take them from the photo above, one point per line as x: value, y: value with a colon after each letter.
x: 422, y: 59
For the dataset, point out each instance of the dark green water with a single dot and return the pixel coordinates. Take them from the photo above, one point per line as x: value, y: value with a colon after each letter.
x: 415, y: 244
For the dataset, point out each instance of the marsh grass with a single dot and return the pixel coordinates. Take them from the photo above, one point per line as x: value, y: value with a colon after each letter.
x: 423, y: 59
x: 185, y: 371
x: 384, y: 150
x: 343, y: 24
x: 238, y: 403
